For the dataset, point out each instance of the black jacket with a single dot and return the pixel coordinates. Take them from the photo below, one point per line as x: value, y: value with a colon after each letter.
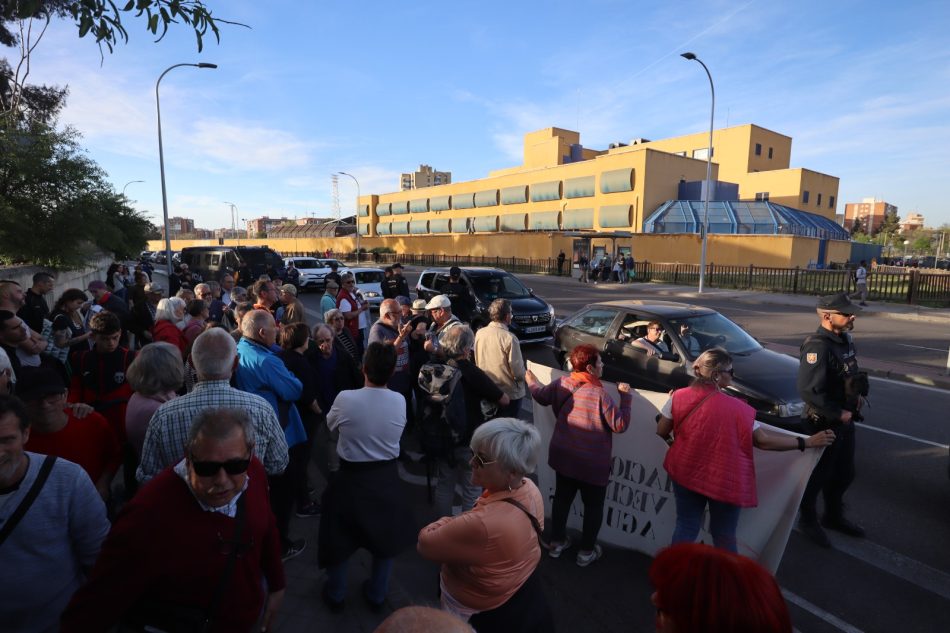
x: 34, y: 310
x: 826, y: 361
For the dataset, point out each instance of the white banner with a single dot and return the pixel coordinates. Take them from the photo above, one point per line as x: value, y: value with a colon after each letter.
x: 640, y: 511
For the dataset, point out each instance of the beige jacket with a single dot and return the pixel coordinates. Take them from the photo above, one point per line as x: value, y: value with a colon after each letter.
x: 498, y: 354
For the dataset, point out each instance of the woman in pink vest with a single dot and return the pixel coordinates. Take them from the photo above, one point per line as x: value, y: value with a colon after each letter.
x: 711, y: 460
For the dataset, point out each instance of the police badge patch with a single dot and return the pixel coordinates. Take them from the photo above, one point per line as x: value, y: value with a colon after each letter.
x: 811, y: 358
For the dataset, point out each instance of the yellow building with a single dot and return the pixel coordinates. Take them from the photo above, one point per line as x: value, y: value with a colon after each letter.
x: 562, y: 186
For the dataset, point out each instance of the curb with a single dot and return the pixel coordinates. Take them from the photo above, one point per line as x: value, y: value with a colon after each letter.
x: 935, y: 382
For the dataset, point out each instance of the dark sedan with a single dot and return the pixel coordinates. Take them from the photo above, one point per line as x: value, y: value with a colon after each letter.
x: 763, y: 378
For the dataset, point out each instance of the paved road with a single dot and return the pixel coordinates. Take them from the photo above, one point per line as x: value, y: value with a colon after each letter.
x: 898, y: 579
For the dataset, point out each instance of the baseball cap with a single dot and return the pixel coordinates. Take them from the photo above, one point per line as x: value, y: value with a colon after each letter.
x: 397, y: 265
x: 155, y: 287
x: 455, y: 271
x: 419, y: 305
x: 838, y: 302
x: 97, y: 285
x: 403, y: 300
x: 34, y: 383
x: 290, y: 288
x: 438, y: 301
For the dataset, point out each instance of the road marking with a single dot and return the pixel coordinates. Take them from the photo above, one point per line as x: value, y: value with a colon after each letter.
x: 922, y: 347
x: 906, y: 437
x: 831, y: 619
x: 901, y: 383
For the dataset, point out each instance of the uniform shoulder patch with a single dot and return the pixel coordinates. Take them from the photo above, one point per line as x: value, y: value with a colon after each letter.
x: 811, y: 358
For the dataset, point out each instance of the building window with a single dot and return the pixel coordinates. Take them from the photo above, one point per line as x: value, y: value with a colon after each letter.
x: 818, y: 203
x: 702, y: 153
x: 831, y: 202
x: 804, y: 197
x: 762, y: 196
x: 770, y: 153
x: 758, y: 149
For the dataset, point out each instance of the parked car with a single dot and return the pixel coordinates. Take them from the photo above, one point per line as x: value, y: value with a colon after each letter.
x: 312, y: 271
x: 533, y: 319
x: 212, y: 262
x: 763, y: 378
x: 369, y: 281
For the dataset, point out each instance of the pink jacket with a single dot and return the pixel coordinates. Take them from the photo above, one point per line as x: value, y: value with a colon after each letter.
x: 712, y: 448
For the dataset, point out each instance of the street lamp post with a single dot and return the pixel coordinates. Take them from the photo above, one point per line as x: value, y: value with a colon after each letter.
x: 161, y: 160
x: 709, y: 151
x: 233, y: 215
x: 357, y: 216
x: 129, y: 183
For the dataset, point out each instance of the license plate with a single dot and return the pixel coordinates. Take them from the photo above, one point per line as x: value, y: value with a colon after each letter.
x: 534, y: 329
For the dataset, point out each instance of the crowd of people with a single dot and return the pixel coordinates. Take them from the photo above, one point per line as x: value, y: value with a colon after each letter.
x: 213, y: 403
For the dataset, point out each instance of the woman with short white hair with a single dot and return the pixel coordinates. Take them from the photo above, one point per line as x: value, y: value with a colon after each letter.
x: 168, y: 313
x: 490, y: 554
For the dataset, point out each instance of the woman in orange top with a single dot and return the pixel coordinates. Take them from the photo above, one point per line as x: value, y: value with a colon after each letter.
x: 489, y: 554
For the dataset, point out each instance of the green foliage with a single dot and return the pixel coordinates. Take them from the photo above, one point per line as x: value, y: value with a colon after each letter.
x: 863, y: 238
x: 382, y: 249
x: 56, y: 208
x: 102, y: 19
x: 891, y: 223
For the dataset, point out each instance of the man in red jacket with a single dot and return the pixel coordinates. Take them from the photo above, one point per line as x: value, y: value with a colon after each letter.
x: 202, y: 524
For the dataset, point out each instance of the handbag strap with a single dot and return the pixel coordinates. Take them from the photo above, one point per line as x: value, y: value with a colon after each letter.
x: 241, y: 519
x: 698, y: 404
x: 534, y: 520
x: 28, y: 500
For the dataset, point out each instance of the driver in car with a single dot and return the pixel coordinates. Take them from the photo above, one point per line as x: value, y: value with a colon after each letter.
x: 652, y: 342
x: 690, y: 342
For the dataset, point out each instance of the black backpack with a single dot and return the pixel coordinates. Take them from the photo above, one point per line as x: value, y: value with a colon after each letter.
x: 444, y: 421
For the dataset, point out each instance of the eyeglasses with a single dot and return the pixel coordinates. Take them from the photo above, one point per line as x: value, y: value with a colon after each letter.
x: 654, y: 329
x: 349, y: 283
x: 210, y: 469
x: 336, y: 319
x: 731, y: 371
x: 479, y: 461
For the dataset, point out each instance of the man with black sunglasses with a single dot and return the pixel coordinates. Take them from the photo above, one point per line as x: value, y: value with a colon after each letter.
x: 195, y: 546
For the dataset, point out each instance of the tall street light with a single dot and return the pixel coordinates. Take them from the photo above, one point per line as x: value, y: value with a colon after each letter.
x: 161, y: 159
x: 709, y: 151
x: 357, y: 216
x: 129, y: 183
x: 233, y: 214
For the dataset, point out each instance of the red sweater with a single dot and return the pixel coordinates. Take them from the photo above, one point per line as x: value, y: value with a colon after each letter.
x: 168, y: 332
x: 164, y: 547
x: 89, y: 442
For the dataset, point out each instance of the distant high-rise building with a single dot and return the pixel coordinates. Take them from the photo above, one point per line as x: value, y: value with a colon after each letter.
x: 913, y: 222
x: 180, y: 226
x: 264, y: 224
x: 425, y: 177
x: 869, y: 211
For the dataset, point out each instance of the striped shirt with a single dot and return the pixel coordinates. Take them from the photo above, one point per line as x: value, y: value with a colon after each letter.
x: 168, y: 430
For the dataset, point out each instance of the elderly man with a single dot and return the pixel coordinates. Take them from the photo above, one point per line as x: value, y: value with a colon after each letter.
x: 652, y: 343
x: 260, y: 371
x: 348, y: 302
x: 57, y: 430
x: 328, y: 300
x: 390, y: 329
x: 48, y: 551
x: 35, y: 308
x: 498, y: 354
x: 214, y: 355
x: 28, y: 346
x: 205, y: 292
x: 291, y: 310
x: 193, y: 549
x: 440, y: 309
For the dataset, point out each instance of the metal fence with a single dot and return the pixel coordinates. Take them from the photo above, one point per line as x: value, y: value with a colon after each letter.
x: 906, y: 285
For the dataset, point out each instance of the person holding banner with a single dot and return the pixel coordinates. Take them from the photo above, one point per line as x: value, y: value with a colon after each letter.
x: 581, y: 446
x: 710, y: 461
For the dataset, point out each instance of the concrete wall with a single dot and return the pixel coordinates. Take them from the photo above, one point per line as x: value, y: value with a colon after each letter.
x: 64, y: 278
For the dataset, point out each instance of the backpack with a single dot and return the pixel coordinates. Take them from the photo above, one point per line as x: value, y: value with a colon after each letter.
x: 444, y: 420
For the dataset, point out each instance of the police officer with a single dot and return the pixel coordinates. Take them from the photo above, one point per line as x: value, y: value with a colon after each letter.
x: 458, y: 293
x: 832, y: 386
x: 400, y: 283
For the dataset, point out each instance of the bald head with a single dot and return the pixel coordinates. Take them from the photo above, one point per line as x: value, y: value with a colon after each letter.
x: 389, y: 306
x: 422, y: 620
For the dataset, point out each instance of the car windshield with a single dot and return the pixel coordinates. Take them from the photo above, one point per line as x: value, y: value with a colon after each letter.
x: 306, y: 263
x: 369, y: 277
x: 491, y: 287
x: 712, y: 330
x: 325, y: 263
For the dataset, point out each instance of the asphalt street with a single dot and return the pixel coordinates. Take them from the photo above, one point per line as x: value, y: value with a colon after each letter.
x: 897, y: 579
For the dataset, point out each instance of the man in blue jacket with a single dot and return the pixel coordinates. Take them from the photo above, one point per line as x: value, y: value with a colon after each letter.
x: 262, y: 372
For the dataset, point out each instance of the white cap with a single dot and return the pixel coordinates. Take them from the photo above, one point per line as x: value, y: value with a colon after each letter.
x: 438, y: 301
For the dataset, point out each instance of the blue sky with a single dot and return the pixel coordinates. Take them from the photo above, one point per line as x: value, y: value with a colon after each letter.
x: 376, y: 88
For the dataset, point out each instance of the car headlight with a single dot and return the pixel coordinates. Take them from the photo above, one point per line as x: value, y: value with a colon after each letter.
x: 551, y: 311
x: 372, y: 294
x: 790, y: 409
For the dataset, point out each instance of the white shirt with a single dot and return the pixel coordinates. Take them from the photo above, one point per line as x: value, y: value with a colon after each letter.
x: 370, y: 421
x: 861, y: 275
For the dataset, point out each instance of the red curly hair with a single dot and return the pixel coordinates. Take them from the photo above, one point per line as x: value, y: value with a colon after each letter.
x: 710, y: 590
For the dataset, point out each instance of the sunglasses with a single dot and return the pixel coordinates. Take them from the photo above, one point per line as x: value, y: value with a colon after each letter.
x: 481, y: 462
x: 731, y: 371
x: 210, y: 469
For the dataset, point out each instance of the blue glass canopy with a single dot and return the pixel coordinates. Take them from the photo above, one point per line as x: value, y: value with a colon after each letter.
x: 734, y: 217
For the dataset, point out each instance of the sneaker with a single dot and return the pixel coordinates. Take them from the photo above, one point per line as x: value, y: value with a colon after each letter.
x: 311, y: 509
x: 293, y: 549
x: 558, y: 548
x: 814, y: 531
x: 586, y: 558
